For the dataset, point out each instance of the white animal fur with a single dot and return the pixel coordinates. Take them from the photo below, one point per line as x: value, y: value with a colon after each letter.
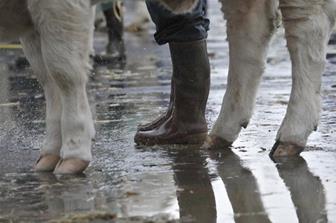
x: 308, y: 24
x: 56, y: 38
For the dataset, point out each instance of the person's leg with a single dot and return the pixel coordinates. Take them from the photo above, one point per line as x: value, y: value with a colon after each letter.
x: 184, y: 121
x: 171, y: 27
x: 176, y: 28
x: 113, y: 12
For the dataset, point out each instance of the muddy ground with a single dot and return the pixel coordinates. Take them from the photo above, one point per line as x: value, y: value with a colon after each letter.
x: 126, y: 183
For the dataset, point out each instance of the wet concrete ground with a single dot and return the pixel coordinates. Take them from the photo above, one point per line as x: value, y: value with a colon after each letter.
x: 126, y: 183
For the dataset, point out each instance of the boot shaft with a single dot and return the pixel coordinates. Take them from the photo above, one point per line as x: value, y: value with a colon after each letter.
x: 191, y: 75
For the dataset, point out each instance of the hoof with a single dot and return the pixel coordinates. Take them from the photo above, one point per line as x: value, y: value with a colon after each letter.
x: 46, y: 163
x: 71, y: 166
x: 215, y: 142
x: 281, y: 149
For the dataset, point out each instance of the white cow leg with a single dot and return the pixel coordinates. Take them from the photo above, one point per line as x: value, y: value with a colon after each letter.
x: 250, y: 25
x: 50, y: 151
x: 307, y: 24
x: 76, y: 122
x: 66, y: 55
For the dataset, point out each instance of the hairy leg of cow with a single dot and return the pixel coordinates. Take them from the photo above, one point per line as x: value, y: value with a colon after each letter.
x: 64, y: 27
x: 250, y: 25
x: 307, y: 24
x: 50, y: 151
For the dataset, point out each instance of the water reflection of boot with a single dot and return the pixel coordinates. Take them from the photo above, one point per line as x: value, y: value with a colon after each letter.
x: 195, y: 194
x: 191, y: 79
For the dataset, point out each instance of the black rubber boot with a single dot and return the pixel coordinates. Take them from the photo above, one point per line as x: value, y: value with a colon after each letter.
x: 114, y: 22
x: 163, y: 117
x: 191, y: 79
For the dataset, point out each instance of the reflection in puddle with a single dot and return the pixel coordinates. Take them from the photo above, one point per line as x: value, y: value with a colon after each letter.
x: 307, y: 191
x: 210, y: 186
x: 241, y: 187
x: 194, y: 191
x: 223, y: 205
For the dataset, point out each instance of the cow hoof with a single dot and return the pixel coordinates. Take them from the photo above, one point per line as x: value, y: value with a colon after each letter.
x: 281, y: 149
x: 46, y: 163
x: 215, y: 142
x: 71, y: 166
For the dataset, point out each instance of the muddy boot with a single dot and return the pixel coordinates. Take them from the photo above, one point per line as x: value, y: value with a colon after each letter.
x: 191, y: 79
x: 114, y: 22
x: 162, y: 118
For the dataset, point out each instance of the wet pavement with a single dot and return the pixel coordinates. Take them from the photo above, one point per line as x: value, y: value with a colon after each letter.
x: 126, y: 183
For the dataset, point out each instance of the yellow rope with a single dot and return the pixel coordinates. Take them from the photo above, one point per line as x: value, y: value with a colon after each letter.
x: 10, y: 46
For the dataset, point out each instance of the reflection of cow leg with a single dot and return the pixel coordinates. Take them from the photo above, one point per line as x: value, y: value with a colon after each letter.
x: 242, y: 188
x: 250, y: 25
x: 306, y: 190
x: 50, y: 150
x: 308, y: 25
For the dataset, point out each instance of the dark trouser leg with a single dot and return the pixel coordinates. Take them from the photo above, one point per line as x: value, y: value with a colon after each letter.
x: 179, y: 28
x: 184, y: 122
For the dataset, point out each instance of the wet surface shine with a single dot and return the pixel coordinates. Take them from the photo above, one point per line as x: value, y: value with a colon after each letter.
x: 167, y: 183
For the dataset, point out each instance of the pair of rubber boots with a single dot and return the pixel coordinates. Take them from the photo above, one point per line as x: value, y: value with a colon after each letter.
x: 184, y: 122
